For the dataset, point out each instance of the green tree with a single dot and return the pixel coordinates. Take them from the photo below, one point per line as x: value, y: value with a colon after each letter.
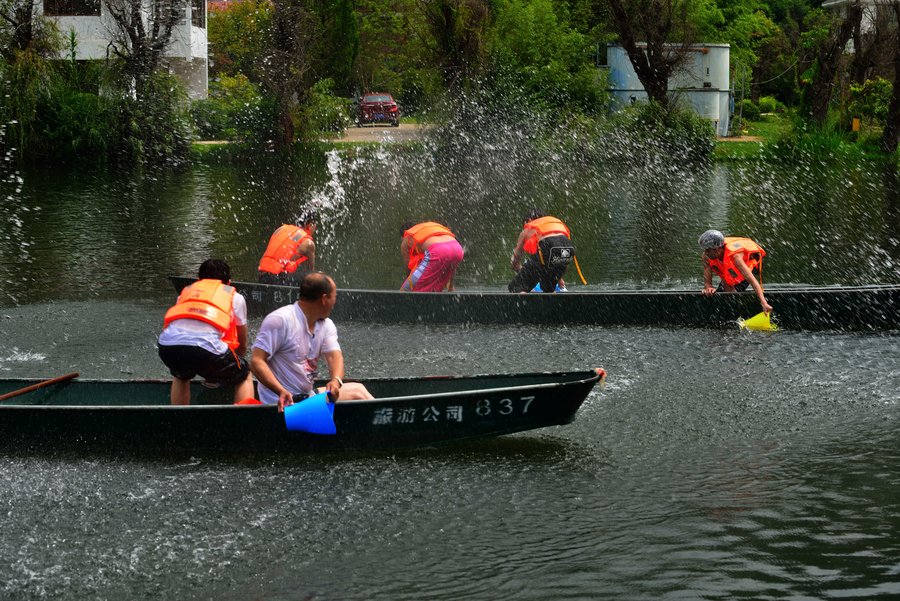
x: 826, y: 40
x: 237, y: 38
x: 657, y: 35
x: 533, y: 41
x: 340, y: 43
x: 750, y: 35
x: 141, y: 33
x: 23, y: 29
x: 891, y: 134
x: 457, y: 38
x: 396, y: 53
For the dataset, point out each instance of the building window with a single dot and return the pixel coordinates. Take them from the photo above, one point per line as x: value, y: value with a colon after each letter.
x: 198, y: 13
x: 72, y: 8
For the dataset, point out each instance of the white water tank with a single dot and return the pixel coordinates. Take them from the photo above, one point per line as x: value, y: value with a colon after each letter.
x: 701, y: 82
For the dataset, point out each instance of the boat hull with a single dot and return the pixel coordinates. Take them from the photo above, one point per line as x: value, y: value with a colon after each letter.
x: 135, y: 415
x: 796, y: 308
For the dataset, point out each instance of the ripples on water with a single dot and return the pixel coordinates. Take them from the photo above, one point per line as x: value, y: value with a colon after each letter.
x: 715, y: 465
x: 67, y: 236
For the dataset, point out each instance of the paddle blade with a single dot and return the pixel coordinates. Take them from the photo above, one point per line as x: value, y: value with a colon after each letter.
x: 314, y: 415
x: 761, y: 322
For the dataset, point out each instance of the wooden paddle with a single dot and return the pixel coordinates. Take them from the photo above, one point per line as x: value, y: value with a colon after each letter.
x: 49, y: 382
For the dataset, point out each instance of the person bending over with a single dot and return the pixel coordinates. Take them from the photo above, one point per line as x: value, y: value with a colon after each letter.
x: 291, y: 252
x: 737, y: 262
x: 432, y: 254
x: 548, y: 243
x: 205, y: 333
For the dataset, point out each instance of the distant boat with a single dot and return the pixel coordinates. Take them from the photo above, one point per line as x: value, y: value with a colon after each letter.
x: 875, y: 307
x: 135, y: 415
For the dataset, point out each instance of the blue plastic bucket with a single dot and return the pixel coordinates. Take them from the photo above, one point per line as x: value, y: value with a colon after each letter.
x: 314, y: 415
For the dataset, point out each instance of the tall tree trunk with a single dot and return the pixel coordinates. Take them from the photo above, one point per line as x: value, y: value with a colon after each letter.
x: 645, y: 30
x: 829, y: 54
x: 891, y: 133
x: 458, y: 28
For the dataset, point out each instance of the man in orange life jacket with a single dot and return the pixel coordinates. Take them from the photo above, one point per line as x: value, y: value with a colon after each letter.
x: 205, y: 333
x: 737, y: 262
x: 291, y: 252
x: 432, y: 254
x: 548, y: 242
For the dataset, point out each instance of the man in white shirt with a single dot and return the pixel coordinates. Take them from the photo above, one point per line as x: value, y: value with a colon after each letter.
x: 290, y: 343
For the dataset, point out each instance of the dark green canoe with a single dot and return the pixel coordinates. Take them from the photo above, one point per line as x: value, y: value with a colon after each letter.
x: 796, y: 307
x: 123, y: 415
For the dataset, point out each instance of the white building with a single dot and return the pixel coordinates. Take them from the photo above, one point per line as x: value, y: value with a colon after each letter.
x: 186, y: 57
x: 702, y: 82
x: 869, y: 8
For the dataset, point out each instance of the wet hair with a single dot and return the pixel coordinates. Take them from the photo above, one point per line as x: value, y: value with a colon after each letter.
x: 406, y: 225
x: 315, y: 285
x: 534, y: 214
x: 711, y: 239
x: 308, y: 216
x: 215, y: 269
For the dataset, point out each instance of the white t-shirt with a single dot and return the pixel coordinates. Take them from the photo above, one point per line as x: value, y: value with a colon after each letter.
x: 293, y: 352
x: 193, y: 332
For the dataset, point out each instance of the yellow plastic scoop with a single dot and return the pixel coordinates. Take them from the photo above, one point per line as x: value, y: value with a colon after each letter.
x: 760, y: 322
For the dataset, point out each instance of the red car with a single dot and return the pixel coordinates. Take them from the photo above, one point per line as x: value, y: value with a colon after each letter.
x: 377, y: 108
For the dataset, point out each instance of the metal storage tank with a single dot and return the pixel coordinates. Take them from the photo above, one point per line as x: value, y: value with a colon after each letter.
x: 704, y: 102
x: 703, y: 82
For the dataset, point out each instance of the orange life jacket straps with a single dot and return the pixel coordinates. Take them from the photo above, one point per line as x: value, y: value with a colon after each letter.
x: 541, y: 228
x: 751, y: 253
x: 417, y: 235
x: 282, y: 247
x: 209, y: 301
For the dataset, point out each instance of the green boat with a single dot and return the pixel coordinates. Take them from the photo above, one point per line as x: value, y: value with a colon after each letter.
x: 135, y: 415
x: 860, y: 308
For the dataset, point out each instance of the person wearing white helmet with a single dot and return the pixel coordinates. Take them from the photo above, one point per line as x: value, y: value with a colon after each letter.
x: 737, y: 262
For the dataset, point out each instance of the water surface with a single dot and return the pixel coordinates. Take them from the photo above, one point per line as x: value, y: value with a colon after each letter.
x: 715, y: 465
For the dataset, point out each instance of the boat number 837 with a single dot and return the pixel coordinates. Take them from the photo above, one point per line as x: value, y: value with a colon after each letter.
x: 503, y: 406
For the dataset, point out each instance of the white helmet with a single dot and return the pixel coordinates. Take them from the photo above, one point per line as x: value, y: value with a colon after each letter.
x: 711, y: 239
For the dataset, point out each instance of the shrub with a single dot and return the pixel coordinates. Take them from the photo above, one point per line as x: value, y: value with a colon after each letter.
x: 153, y: 128
x: 871, y: 100
x: 747, y: 109
x: 326, y: 112
x: 768, y: 104
x: 677, y: 133
x: 804, y: 142
x: 235, y: 110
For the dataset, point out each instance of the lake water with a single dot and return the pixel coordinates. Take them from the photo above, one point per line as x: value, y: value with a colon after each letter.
x: 715, y: 465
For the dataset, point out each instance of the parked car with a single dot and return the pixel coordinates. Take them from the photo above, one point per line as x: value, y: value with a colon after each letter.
x: 377, y: 108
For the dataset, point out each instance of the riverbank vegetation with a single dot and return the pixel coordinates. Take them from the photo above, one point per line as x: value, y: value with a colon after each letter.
x: 284, y: 73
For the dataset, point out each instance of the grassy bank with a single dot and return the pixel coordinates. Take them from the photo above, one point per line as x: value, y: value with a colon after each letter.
x: 752, y: 139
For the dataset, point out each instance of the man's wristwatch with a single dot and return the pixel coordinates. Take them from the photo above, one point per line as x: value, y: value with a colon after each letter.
x: 340, y: 382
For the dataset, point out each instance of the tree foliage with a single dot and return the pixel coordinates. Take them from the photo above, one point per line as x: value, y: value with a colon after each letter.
x: 237, y: 38
x: 22, y: 29
x: 657, y: 35
x: 533, y: 44
x: 143, y: 31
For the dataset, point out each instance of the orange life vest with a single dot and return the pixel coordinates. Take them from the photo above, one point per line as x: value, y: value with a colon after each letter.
x: 209, y: 301
x: 751, y: 252
x: 418, y: 234
x: 282, y: 247
x: 542, y: 227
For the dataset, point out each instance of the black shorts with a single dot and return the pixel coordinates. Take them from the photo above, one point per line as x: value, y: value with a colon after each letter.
x: 185, y: 362
x: 548, y: 266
